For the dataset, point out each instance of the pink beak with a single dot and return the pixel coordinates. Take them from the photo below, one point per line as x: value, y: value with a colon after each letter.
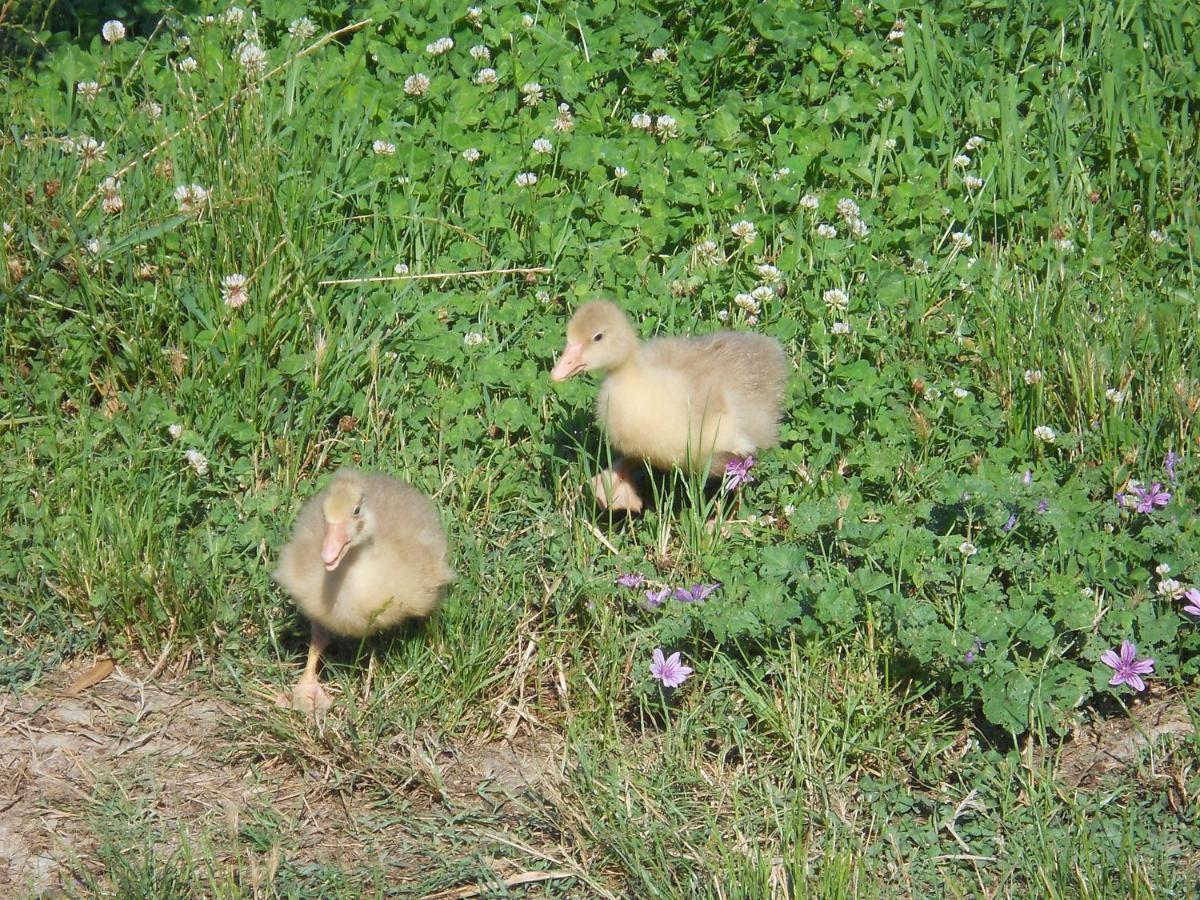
x: 337, y: 541
x: 570, y: 363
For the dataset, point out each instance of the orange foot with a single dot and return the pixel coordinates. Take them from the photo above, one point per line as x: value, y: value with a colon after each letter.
x: 614, y: 490
x: 307, y: 696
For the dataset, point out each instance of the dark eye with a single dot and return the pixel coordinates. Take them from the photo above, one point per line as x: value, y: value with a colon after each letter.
x: 358, y: 511
x: 597, y: 337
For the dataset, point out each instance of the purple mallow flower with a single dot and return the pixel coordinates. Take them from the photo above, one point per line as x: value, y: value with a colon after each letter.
x: 976, y: 647
x: 1192, y: 595
x: 654, y: 599
x: 1127, y: 667
x: 1169, y: 464
x: 1043, y: 506
x: 695, y: 594
x: 670, y: 671
x: 737, y: 473
x: 1147, y: 498
x: 1010, y: 524
x: 1027, y: 478
x: 631, y: 580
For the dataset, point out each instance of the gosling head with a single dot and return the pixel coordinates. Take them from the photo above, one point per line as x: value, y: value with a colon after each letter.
x: 348, y: 518
x: 599, y: 339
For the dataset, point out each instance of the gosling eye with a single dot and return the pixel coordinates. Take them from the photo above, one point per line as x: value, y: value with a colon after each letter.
x: 597, y: 337
x: 358, y: 511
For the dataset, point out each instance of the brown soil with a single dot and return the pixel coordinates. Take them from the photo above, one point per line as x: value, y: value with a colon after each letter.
x: 71, y: 767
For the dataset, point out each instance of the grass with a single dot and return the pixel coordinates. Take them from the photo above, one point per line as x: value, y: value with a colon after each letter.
x: 833, y: 740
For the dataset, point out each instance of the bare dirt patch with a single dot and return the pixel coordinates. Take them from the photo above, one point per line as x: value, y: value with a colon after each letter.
x: 161, y: 757
x: 1110, y: 746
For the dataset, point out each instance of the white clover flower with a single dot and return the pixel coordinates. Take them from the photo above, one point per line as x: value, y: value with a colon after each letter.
x: 890, y: 143
x: 383, y: 148
x: 564, y: 121
x: 747, y: 303
x: 966, y: 548
x: 707, y: 253
x: 112, y: 203
x: 440, y: 46
x: 175, y: 431
x: 472, y: 154
x: 1114, y: 396
x: 233, y: 16
x: 767, y: 271
x: 302, y: 28
x: 1044, y: 433
x: 474, y: 15
x: 666, y: 126
x: 972, y: 182
x: 961, y: 240
x: 723, y: 315
x: 810, y: 201
x: 526, y: 179
x: 112, y: 31
x: 88, y: 90
x: 658, y: 55
x: 400, y: 268
x: 962, y: 160
x: 480, y: 53
x: 92, y: 246
x: 233, y: 290
x: 789, y: 510
x: 826, y: 231
x: 542, y: 297
x: 931, y: 394
x: 763, y: 293
x: 198, y: 461
x: 532, y: 93
x: 836, y: 298
x: 885, y: 104
x: 619, y: 172
x: 781, y: 173
x: 1033, y: 376
x: 1162, y: 569
x: 847, y: 209
x: 858, y: 228
x: 486, y: 76
x: 897, y: 32
x: 152, y: 110
x: 974, y: 142
x: 1157, y: 236
x: 641, y: 121
x: 527, y: 21
x: 252, y: 58
x: 416, y: 85
x: 474, y: 338
x: 188, y: 65
x: 190, y: 197
x: 919, y: 267
x: 90, y: 150
x: 1169, y: 587
x: 961, y: 393
x: 840, y: 328
x: 541, y: 145
x: 7, y: 228
x: 1064, y: 245
x: 744, y: 230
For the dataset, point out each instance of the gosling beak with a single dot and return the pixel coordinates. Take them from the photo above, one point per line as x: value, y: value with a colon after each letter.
x: 337, y: 542
x: 570, y: 363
